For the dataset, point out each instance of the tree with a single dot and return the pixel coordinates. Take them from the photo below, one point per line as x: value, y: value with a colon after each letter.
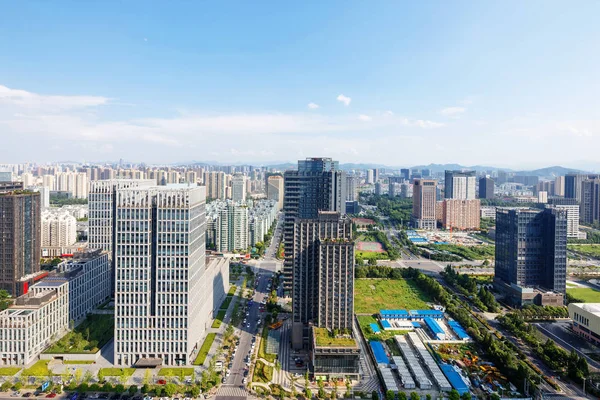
x: 94, y: 387
x: 158, y: 391
x: 414, y: 396
x: 120, y: 388
x: 453, y: 395
x: 78, y: 375
x: 4, y: 300
x: 389, y: 395
x: 107, y: 387
x: 6, y: 386
x: 321, y: 393
x: 374, y: 395
x: 100, y: 376
x: 308, y: 393
x: 17, y: 386
x: 195, y: 391
x: 87, y: 377
x: 401, y: 396
x: 84, y: 387
x: 428, y: 397
x: 133, y: 389
x: 465, y: 396
x: 170, y: 389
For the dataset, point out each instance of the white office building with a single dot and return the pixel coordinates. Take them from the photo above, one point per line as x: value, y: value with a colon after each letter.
x: 162, y: 281
x: 33, y: 322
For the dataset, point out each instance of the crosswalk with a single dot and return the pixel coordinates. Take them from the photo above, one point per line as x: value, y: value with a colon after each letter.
x: 232, y: 391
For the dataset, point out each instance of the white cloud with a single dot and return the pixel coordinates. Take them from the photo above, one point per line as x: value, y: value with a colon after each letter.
x: 25, y: 99
x: 420, y: 123
x: 453, y: 111
x: 344, y: 99
x: 364, y: 117
x: 313, y: 106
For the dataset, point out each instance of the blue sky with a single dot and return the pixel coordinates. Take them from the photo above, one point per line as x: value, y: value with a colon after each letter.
x: 505, y: 83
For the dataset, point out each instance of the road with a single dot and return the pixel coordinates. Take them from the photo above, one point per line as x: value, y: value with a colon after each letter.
x: 233, y: 386
x: 563, y: 343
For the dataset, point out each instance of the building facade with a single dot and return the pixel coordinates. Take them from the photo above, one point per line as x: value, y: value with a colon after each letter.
x: 238, y: 188
x: 59, y: 229
x: 317, y: 185
x: 424, y: 204
x: 586, y: 321
x: 459, y: 185
x: 275, y: 189
x: 33, y: 322
x: 460, y: 214
x: 486, y: 188
x: 20, y: 232
x: 531, y: 248
x: 160, y: 265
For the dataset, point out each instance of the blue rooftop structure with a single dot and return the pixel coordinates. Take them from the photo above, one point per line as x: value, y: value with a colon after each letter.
x: 379, y: 352
x: 460, y: 332
x: 375, y: 328
x: 438, y: 332
x: 386, y: 324
x: 394, y: 314
x: 421, y: 314
x: 454, y: 378
x: 416, y: 239
x: 416, y: 324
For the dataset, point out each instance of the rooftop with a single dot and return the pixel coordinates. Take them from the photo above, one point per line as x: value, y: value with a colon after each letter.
x: 324, y: 338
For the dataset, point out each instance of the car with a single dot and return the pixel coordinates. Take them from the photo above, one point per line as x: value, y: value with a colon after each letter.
x: 115, y: 396
x: 161, y: 382
x: 244, y: 380
x: 15, y: 394
x: 245, y: 372
x: 103, y: 396
x: 28, y: 394
x: 93, y: 396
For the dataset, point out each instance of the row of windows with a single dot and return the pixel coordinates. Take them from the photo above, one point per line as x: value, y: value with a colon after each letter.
x: 581, y: 319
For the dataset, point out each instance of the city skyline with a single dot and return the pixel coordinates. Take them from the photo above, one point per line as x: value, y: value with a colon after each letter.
x: 435, y: 82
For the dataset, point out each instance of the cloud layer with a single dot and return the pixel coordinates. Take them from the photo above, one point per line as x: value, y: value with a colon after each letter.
x: 344, y: 99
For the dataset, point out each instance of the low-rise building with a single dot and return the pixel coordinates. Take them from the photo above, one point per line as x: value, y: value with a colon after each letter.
x: 586, y: 320
x: 334, y: 357
x: 34, y: 322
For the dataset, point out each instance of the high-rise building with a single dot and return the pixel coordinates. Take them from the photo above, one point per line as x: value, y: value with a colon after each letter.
x: 424, y: 204
x: 20, y: 235
x: 459, y: 185
x: 502, y: 177
x: 233, y: 232
x: 486, y: 188
x: 378, y: 189
x: 573, y: 186
x: 531, y: 249
x: 375, y: 175
x: 275, y: 189
x: 426, y: 173
x: 590, y: 201
x: 405, y: 173
x: 59, y: 228
x: 461, y: 214
x: 102, y: 210
x: 323, y: 265
x: 394, y: 185
x: 370, y: 177
x: 351, y: 188
x: 317, y: 185
x: 238, y: 188
x: 215, y: 185
x: 161, y: 274
x: 559, y: 186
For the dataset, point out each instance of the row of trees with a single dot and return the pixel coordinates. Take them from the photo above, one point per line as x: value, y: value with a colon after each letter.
x: 533, y: 312
x: 555, y: 357
x: 467, y: 285
x: 397, y: 209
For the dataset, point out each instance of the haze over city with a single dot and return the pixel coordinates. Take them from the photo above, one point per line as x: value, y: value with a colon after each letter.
x: 389, y: 83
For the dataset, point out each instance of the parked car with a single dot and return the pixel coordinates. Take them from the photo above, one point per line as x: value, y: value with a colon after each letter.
x: 161, y: 382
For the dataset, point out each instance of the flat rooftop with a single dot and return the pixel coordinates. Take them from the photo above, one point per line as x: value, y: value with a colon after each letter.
x: 324, y: 338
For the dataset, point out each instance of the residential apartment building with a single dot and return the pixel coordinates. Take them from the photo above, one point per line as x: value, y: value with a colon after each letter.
x: 20, y: 232
x: 228, y: 226
x: 460, y: 214
x: 238, y: 188
x: 424, y: 204
x: 215, y: 182
x: 160, y: 272
x: 59, y: 228
x: 531, y: 250
x: 590, y: 201
x: 275, y: 189
x: 351, y: 187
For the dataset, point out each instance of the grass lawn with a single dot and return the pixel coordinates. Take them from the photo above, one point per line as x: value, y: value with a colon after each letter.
x: 77, y: 362
x: 365, y: 320
x: 393, y: 347
x: 587, y: 295
x: 480, y: 252
x: 590, y: 250
x: 9, y: 371
x: 325, y: 339
x: 176, y: 372
x: 219, y: 318
x: 262, y: 350
x: 208, y: 341
x: 262, y: 372
x: 88, y: 337
x: 117, y: 371
x: 372, y: 295
x: 40, y: 368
